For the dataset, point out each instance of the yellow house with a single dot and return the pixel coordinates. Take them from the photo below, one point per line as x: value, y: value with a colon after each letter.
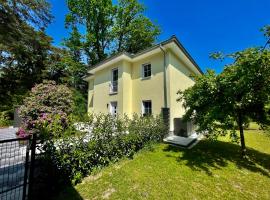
x: 144, y: 83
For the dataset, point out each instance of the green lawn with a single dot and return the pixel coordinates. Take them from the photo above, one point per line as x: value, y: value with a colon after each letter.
x: 211, y: 170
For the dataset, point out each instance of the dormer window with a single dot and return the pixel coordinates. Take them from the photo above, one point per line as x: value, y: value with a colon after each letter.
x: 146, y: 70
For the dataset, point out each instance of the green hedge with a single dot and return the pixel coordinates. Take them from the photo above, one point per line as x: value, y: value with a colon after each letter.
x: 112, y: 138
x: 4, y: 119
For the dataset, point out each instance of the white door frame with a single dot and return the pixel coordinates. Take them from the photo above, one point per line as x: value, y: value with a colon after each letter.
x: 113, y: 108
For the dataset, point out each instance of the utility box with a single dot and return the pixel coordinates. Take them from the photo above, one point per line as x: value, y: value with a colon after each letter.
x: 182, y: 128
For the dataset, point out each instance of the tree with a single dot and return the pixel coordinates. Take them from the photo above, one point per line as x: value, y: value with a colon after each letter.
x: 96, y: 17
x: 132, y: 30
x: 24, y: 47
x: 64, y: 69
x: 218, y: 103
x: 16, y: 15
x: 109, y: 28
x: 22, y: 67
x: 74, y: 44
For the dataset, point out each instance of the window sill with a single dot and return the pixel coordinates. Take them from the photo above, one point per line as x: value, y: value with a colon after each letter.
x: 146, y: 78
x: 113, y: 93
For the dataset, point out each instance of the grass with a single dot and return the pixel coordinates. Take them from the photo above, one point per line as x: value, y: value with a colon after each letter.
x: 211, y: 170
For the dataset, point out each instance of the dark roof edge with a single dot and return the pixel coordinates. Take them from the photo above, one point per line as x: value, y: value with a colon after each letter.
x: 172, y: 39
x: 179, y: 44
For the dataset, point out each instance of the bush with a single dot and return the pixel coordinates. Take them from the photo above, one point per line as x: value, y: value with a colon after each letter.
x: 80, y: 104
x: 111, y: 139
x: 4, y: 119
x: 45, y: 101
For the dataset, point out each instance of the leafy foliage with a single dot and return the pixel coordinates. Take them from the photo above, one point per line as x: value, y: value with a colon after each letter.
x: 16, y: 15
x: 64, y: 69
x: 109, y: 28
x: 4, y: 119
x: 46, y: 103
x: 27, y: 56
x: 111, y: 138
x: 24, y: 48
x: 80, y: 104
x: 22, y: 66
x: 227, y: 101
x: 132, y: 26
x: 96, y: 16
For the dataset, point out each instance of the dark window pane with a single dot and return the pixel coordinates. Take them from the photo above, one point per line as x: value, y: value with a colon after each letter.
x: 147, y: 105
x: 115, y: 75
x: 147, y: 70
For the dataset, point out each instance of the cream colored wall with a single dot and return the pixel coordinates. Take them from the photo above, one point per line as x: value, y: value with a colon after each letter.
x: 90, y: 95
x: 133, y: 89
x: 127, y: 85
x: 179, y: 79
x: 148, y: 89
x: 101, y: 94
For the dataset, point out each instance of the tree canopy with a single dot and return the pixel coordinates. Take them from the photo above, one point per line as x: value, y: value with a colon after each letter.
x: 27, y: 55
x: 18, y: 15
x: 24, y: 47
x: 225, y: 102
x: 108, y: 28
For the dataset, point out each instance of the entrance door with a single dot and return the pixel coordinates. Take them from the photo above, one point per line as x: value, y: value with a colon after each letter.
x: 113, y: 108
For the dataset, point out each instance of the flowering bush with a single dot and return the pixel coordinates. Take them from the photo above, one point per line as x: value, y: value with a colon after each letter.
x: 111, y: 138
x: 47, y: 102
x: 21, y: 133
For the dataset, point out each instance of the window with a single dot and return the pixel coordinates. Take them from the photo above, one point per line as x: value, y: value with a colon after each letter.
x: 113, y: 108
x: 146, y: 70
x: 114, y: 81
x: 146, y: 108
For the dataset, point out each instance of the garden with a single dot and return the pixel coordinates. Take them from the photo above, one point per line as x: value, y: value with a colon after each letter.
x: 106, y: 157
x: 70, y: 147
x: 211, y: 170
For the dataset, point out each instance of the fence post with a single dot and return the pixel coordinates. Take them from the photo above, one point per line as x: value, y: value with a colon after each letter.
x: 26, y: 167
x: 32, y: 166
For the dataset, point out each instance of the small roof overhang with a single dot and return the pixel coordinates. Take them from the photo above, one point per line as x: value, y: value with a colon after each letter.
x: 173, y: 43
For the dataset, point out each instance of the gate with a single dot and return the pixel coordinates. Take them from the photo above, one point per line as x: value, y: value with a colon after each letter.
x: 16, y: 168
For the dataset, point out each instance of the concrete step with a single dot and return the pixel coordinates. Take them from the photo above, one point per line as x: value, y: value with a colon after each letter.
x: 184, y: 142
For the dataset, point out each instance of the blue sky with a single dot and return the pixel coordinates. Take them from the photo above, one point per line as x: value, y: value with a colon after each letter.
x: 203, y: 27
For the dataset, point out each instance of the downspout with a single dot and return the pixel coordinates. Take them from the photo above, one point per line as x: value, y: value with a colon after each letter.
x: 164, y: 77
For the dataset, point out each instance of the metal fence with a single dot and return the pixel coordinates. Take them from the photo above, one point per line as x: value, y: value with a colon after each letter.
x: 16, y: 167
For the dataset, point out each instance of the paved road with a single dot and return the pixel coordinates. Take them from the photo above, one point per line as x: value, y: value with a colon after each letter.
x: 12, y: 159
x: 8, y: 133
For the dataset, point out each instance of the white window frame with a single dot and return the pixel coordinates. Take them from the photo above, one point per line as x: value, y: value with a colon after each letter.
x: 143, y: 107
x: 143, y: 66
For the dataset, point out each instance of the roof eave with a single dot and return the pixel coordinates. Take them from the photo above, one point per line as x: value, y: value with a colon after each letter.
x: 130, y: 56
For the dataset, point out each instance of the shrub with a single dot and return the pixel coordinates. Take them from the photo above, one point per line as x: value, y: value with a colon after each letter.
x: 4, y: 119
x: 80, y: 104
x: 45, y: 101
x: 111, y: 138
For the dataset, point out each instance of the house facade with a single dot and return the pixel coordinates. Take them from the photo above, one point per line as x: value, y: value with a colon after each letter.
x: 143, y: 83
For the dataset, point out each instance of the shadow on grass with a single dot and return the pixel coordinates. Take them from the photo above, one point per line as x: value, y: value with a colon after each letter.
x: 50, y: 183
x: 209, y: 155
x: 69, y: 193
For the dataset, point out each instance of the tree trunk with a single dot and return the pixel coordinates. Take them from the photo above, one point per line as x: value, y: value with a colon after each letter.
x: 242, y: 137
